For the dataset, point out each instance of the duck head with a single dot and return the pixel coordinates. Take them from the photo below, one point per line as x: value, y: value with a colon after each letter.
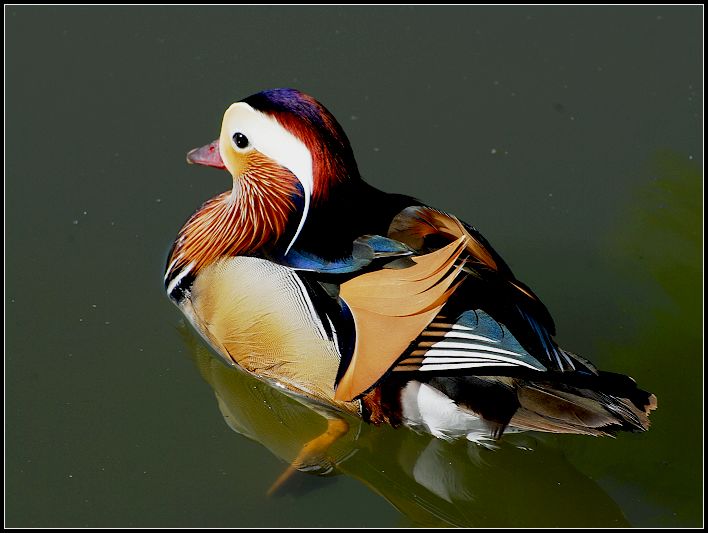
x: 277, y: 137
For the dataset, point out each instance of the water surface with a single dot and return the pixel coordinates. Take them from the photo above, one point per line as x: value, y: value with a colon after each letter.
x: 571, y: 137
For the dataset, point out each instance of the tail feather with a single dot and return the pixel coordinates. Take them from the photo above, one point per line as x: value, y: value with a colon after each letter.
x: 572, y: 409
x: 561, y: 403
x: 598, y: 405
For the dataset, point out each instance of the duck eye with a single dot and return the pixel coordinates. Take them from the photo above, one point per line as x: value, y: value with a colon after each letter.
x: 240, y: 140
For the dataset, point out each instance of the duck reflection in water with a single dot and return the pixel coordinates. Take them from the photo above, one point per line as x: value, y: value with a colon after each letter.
x: 433, y: 482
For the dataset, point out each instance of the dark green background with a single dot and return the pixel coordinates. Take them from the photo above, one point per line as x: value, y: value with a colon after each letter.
x: 571, y: 137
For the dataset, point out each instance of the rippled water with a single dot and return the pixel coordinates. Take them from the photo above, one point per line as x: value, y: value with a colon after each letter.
x: 571, y: 137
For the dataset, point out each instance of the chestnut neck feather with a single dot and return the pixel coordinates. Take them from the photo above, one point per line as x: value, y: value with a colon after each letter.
x: 333, y: 161
x: 252, y: 216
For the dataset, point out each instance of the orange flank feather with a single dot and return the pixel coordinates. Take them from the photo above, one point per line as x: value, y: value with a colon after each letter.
x: 413, y: 224
x: 391, y: 308
x: 236, y: 222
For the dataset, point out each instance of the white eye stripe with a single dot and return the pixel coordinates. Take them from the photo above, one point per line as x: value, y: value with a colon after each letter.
x: 179, y: 277
x: 270, y: 138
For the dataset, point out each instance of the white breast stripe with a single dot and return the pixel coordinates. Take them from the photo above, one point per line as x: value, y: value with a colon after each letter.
x: 169, y: 268
x: 305, y: 299
x: 334, y: 335
x: 181, y: 275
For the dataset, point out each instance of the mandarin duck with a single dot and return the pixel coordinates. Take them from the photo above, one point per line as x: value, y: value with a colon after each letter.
x: 371, y: 303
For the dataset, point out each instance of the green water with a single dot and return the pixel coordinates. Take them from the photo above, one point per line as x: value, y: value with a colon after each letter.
x: 571, y: 137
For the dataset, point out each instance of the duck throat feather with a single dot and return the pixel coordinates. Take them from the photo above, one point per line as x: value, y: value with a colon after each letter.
x: 250, y: 217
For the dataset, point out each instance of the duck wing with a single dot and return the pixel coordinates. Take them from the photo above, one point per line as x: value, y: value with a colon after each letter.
x: 491, y: 287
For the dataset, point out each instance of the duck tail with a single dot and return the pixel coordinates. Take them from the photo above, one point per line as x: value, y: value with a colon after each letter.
x: 588, y: 404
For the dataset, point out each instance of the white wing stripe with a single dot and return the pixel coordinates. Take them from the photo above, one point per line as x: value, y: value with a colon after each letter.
x: 478, y: 358
x: 466, y: 346
x: 446, y: 325
x: 458, y: 335
x: 435, y: 356
x: 457, y: 366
